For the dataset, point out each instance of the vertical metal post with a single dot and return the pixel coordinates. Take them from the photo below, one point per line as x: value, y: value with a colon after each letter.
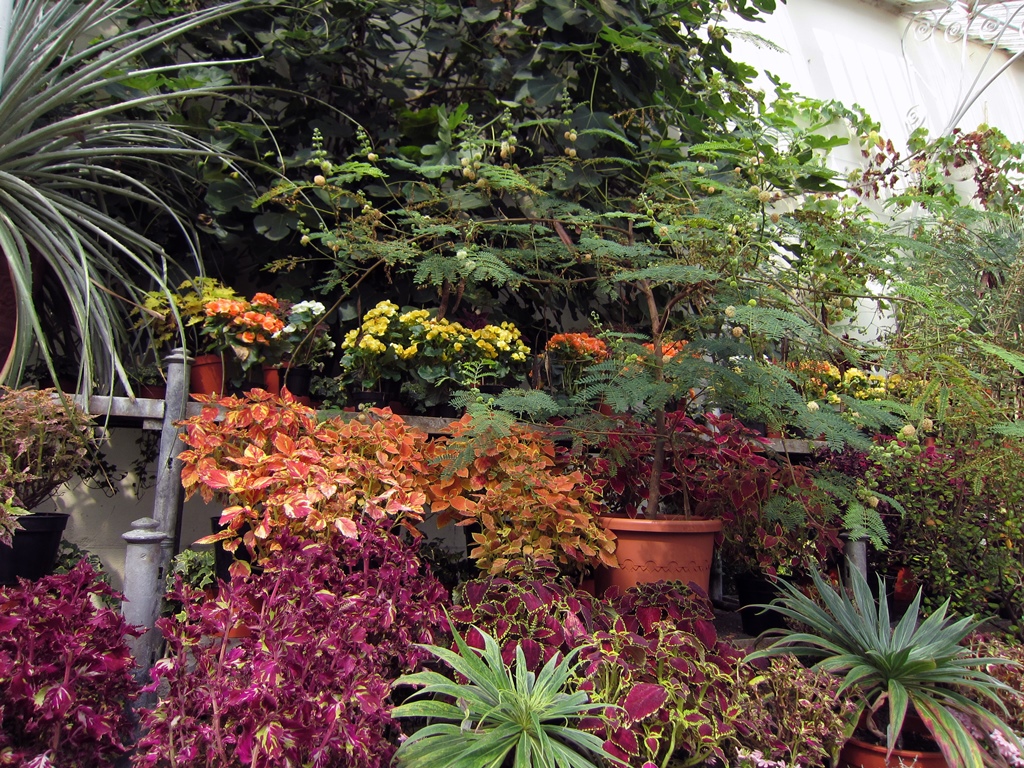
x: 143, y: 588
x: 168, y: 492
x: 715, y: 586
x: 856, y: 558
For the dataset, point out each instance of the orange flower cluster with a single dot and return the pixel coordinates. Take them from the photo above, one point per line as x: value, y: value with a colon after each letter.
x: 669, y: 349
x: 252, y: 322
x: 578, y: 346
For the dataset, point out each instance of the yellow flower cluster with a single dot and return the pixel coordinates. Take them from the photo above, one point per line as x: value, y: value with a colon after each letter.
x: 493, y: 340
x: 376, y: 323
x: 389, y: 342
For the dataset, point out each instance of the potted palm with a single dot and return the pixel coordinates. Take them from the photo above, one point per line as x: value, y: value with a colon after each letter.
x: 81, y: 145
x: 909, y: 680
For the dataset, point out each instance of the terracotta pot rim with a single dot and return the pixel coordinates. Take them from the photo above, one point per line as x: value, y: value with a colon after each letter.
x: 880, y: 748
x: 671, y: 524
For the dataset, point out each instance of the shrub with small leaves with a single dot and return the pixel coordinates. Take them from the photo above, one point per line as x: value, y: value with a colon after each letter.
x: 330, y: 628
x: 66, y: 673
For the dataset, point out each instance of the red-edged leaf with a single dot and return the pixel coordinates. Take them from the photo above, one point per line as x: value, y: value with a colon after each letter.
x: 625, y: 740
x: 644, y: 700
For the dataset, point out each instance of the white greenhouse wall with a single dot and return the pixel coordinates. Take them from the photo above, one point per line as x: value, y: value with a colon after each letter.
x: 868, y: 54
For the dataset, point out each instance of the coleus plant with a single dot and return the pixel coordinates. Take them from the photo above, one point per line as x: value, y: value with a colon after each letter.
x: 540, y: 615
x: 530, y: 504
x: 793, y: 716
x: 278, y: 470
x: 330, y: 628
x: 668, y: 679
x: 709, y: 468
x: 66, y: 673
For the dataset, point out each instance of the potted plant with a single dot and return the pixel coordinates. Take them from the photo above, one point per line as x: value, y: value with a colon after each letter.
x: 45, y: 440
x: 703, y: 472
x: 331, y: 626
x: 914, y: 672
x: 277, y: 470
x: 178, y: 318
x: 530, y: 503
x: 298, y: 348
x: 66, y: 672
x: 501, y: 712
x: 568, y: 355
x: 788, y: 534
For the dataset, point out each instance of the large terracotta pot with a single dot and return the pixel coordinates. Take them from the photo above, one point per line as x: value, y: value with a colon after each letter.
x: 861, y: 754
x: 665, y: 549
x: 206, y: 375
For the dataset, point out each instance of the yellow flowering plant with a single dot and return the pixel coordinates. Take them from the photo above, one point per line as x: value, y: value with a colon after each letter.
x: 377, y: 349
x: 429, y: 352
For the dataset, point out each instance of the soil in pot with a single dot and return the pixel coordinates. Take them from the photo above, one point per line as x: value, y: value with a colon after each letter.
x: 33, y: 551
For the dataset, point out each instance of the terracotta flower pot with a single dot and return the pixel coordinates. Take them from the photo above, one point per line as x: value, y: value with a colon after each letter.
x: 206, y: 375
x: 861, y: 754
x: 664, y: 549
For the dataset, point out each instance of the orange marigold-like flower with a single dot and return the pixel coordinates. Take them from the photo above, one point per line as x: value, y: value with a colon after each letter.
x: 264, y: 300
x: 229, y: 307
x: 578, y: 346
x: 248, y: 337
x: 669, y: 349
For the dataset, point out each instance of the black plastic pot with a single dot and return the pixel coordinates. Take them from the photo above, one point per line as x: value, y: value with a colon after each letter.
x: 33, y: 551
x: 297, y: 380
x: 754, y: 589
x: 222, y: 559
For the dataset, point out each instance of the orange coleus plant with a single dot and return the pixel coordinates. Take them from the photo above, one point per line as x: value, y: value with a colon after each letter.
x: 277, y: 468
x: 531, y: 506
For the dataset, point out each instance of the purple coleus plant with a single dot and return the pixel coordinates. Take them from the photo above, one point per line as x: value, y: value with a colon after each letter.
x: 669, y: 680
x: 66, y: 673
x: 330, y: 627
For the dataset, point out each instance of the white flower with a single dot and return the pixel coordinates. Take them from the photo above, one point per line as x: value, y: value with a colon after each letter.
x: 813, y: 406
x: 908, y: 430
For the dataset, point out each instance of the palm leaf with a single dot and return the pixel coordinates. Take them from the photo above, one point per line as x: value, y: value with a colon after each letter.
x: 68, y: 146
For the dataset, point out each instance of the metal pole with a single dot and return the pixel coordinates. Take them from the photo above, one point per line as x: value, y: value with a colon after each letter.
x: 856, y: 558
x: 143, y: 589
x: 168, y: 493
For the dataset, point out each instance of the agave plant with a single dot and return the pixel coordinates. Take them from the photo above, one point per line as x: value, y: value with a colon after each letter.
x: 497, y: 710
x: 80, y: 125
x: 916, y: 664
